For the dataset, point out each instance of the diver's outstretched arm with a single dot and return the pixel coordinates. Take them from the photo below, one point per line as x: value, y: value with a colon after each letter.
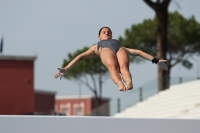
x: 161, y: 63
x: 89, y: 53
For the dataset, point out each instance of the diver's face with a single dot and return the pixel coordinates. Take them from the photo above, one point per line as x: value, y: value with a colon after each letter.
x: 105, y: 34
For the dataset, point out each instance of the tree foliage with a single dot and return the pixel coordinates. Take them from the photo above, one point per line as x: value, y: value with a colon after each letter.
x: 183, y: 38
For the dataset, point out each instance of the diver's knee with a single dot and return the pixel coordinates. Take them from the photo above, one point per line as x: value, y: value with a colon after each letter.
x: 124, y: 67
x: 113, y: 67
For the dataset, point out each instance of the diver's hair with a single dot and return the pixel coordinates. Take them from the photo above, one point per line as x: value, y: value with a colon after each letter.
x: 103, y: 28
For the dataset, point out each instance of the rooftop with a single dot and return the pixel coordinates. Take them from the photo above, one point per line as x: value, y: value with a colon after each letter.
x: 13, y: 57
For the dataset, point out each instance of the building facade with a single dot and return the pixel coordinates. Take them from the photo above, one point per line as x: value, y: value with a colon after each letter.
x: 80, y: 105
x: 17, y: 94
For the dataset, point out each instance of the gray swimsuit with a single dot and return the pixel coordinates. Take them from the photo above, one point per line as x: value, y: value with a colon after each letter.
x: 112, y: 44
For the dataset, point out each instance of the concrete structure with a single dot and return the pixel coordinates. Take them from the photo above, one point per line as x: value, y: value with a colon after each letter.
x: 179, y: 101
x: 85, y: 124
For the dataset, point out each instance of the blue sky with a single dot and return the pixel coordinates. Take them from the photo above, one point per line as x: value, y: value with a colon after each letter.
x: 51, y: 29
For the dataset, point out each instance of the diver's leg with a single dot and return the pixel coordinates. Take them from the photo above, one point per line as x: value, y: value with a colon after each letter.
x: 123, y: 59
x: 109, y: 59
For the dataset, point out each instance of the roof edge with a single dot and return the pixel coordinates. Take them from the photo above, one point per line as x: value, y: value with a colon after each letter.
x: 45, y: 92
x: 13, y: 57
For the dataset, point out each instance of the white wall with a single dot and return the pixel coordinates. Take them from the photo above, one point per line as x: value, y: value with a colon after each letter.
x: 64, y: 124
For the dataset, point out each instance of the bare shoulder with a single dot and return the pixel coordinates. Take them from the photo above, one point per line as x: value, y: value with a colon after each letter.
x: 94, y: 49
x: 89, y: 53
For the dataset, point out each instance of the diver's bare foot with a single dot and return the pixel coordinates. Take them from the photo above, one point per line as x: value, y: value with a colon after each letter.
x: 129, y: 85
x: 121, y: 86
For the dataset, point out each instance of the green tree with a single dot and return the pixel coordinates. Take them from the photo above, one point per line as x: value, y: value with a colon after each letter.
x: 90, y: 68
x: 161, y: 10
x: 183, y: 39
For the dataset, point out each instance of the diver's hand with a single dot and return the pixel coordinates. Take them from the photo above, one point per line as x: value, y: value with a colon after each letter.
x: 163, y: 64
x: 60, y: 73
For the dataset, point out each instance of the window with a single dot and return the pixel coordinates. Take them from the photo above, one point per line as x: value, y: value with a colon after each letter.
x: 79, y: 111
x: 65, y: 111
